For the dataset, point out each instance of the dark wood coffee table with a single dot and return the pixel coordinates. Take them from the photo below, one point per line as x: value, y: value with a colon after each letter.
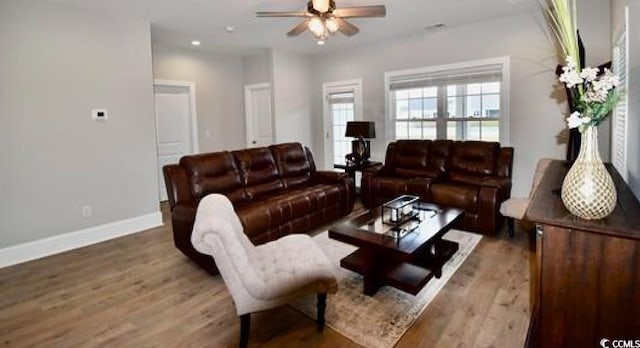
x: 407, y: 263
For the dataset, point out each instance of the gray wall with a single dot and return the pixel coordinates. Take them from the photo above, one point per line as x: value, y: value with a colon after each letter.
x: 537, y: 105
x: 617, y: 18
x: 291, y: 76
x: 56, y: 64
x: 219, y: 92
x: 257, y: 68
x: 595, y: 30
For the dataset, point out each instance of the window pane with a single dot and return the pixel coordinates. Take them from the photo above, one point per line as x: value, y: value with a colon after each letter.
x: 455, y: 107
x: 415, y: 93
x: 402, y: 131
x: 415, y: 130
x: 430, y: 107
x: 473, y: 88
x: 491, y: 105
x: 430, y: 92
x: 454, y: 130
x: 402, y: 94
x: 429, y: 130
x: 491, y: 87
x: 341, y: 113
x: 491, y: 130
x: 452, y: 90
x: 473, y: 130
x: 415, y: 108
x: 473, y: 106
x: 402, y: 109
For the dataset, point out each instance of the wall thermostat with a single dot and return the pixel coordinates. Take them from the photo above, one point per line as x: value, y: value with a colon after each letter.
x: 99, y: 114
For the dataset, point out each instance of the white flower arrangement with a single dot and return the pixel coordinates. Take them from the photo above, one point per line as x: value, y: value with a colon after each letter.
x: 594, y: 93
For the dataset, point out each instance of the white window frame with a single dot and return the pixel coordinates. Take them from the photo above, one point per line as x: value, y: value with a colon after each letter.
x: 621, y: 38
x: 505, y: 88
x: 355, y: 86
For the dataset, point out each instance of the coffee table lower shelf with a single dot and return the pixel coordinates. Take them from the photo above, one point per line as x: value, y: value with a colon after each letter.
x: 410, y: 277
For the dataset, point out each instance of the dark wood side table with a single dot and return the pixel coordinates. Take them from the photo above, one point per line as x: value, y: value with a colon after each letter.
x: 585, y: 275
x: 352, y: 169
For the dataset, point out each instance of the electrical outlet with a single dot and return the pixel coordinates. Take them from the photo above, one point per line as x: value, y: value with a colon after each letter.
x: 86, y: 211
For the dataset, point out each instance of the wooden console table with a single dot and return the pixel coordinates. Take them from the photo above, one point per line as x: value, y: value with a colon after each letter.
x: 585, y: 275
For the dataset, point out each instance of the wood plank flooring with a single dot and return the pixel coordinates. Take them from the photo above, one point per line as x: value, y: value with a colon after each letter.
x: 139, y: 291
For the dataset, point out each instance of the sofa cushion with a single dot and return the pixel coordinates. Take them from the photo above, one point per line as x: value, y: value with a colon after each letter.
x: 387, y: 186
x: 258, y: 217
x: 293, y: 164
x: 455, y: 195
x: 214, y: 173
x: 411, y: 159
x: 475, y: 157
x: 439, y: 153
x: 259, y: 172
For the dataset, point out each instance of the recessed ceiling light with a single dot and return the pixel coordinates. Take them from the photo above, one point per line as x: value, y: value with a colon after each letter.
x: 229, y: 29
x: 195, y: 43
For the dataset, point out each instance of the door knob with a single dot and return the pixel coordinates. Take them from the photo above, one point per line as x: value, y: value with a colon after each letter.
x: 253, y: 142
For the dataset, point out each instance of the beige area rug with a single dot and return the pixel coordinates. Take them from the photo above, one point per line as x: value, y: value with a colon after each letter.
x: 378, y: 321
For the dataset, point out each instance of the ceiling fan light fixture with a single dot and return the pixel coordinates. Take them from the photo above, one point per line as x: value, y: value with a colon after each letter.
x: 332, y: 25
x: 321, y: 42
x: 316, y: 26
x: 321, y: 5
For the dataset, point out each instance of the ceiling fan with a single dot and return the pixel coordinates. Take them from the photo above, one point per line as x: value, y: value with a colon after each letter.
x: 322, y: 18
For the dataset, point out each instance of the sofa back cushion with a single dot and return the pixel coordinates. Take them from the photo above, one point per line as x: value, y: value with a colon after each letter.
x: 475, y: 157
x: 411, y: 158
x: 439, y: 154
x: 214, y: 173
x: 293, y: 164
x: 259, y: 172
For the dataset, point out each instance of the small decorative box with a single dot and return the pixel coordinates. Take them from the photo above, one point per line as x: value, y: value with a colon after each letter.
x: 399, y: 210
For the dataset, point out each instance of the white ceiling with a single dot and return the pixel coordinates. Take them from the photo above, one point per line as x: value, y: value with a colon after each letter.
x: 177, y: 22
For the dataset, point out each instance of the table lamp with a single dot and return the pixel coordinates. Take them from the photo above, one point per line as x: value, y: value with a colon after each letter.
x: 361, y: 130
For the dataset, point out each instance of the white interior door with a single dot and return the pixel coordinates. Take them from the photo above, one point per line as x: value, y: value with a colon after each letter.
x: 342, y: 103
x: 174, y: 127
x: 259, y: 121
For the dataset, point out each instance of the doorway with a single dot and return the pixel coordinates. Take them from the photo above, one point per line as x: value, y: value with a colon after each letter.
x: 176, y: 124
x: 342, y: 103
x: 259, y: 120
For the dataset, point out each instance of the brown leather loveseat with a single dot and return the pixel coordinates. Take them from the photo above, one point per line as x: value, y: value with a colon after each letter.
x: 471, y: 175
x: 275, y: 191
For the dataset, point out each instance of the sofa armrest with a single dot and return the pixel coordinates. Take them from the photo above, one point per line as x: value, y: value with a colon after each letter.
x: 380, y: 170
x: 178, y: 187
x: 502, y: 184
x: 493, y: 191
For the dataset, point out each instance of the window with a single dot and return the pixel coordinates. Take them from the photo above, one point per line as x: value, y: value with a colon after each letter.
x: 620, y: 112
x: 342, y: 108
x: 458, y: 102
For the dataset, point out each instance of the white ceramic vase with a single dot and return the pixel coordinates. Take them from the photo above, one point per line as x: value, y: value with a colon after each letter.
x: 588, y: 191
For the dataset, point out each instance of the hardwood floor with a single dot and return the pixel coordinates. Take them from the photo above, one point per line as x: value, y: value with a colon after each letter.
x: 139, y: 291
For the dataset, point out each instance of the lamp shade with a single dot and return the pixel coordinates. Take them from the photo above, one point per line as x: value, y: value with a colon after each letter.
x: 365, y: 129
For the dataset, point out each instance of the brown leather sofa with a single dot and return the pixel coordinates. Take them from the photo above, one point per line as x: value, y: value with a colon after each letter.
x: 472, y: 175
x: 275, y: 191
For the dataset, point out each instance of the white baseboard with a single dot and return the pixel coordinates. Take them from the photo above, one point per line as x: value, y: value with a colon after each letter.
x: 53, y: 245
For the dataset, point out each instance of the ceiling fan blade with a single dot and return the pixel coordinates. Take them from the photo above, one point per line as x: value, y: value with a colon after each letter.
x: 361, y: 11
x: 346, y: 27
x: 283, y: 14
x: 298, y: 29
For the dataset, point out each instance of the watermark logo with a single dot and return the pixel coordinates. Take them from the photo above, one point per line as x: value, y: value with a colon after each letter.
x: 607, y: 343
